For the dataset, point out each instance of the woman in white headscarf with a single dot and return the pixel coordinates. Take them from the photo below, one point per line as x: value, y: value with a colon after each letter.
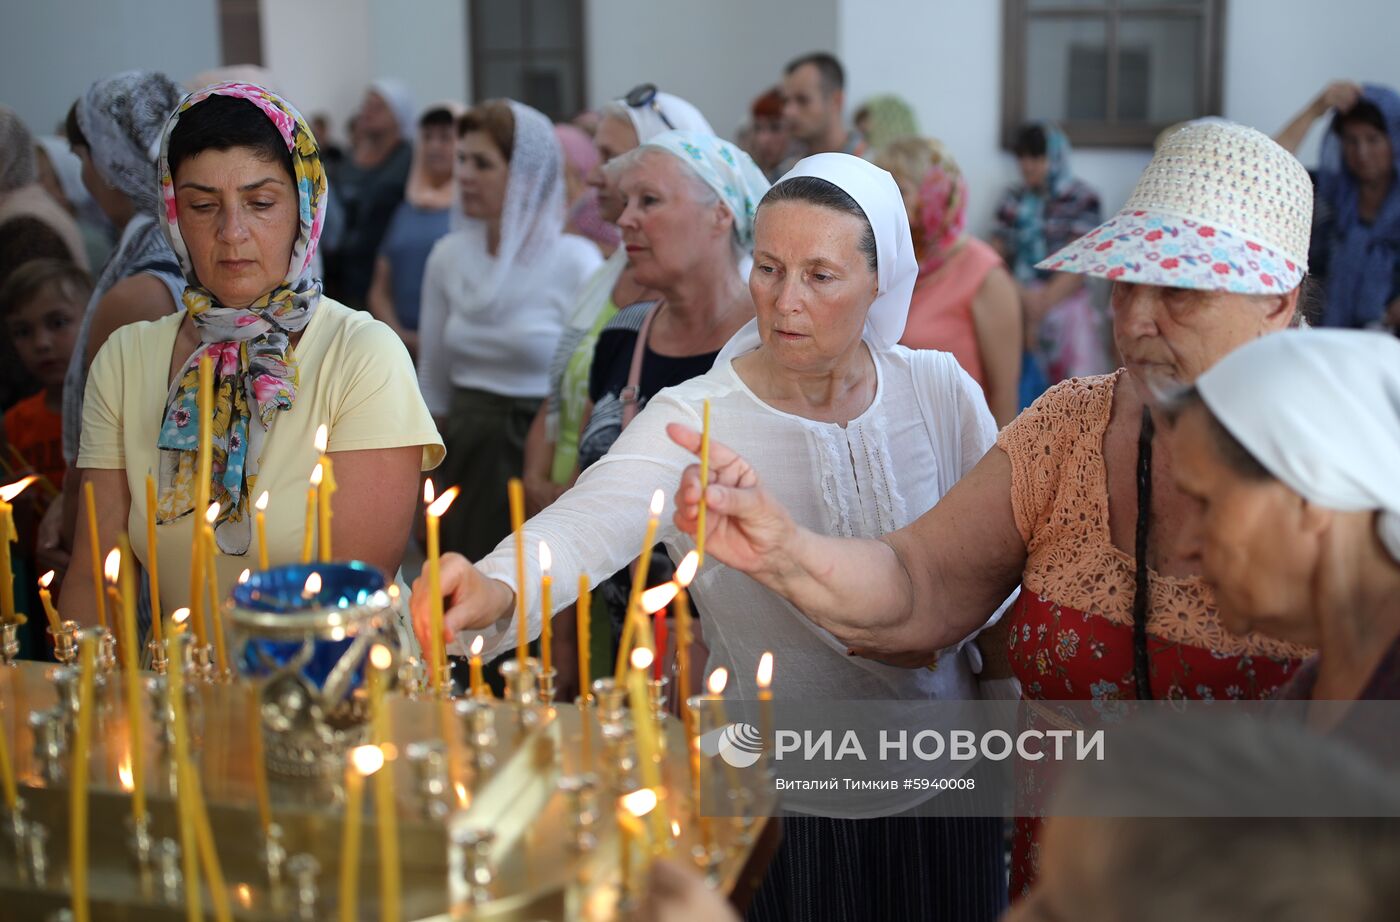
x: 1290, y: 446
x: 20, y: 191
x: 496, y: 294
x: 551, y: 451
x: 847, y: 426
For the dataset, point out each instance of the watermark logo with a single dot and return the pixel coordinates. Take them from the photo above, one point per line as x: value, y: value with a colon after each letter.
x: 739, y: 744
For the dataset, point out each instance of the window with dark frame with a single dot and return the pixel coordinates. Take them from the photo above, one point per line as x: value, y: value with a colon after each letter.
x: 531, y: 51
x: 1111, y: 73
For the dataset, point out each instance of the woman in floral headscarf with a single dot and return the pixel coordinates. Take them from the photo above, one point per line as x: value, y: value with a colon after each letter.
x: 244, y: 199
x: 965, y: 302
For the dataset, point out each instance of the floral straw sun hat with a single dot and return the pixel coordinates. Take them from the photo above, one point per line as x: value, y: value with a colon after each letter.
x: 1221, y: 207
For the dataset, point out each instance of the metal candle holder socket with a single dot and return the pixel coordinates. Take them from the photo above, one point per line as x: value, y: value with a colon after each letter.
x: 167, y: 852
x: 141, y: 841
x: 547, y: 679
x: 470, y: 874
x: 611, y: 698
x: 412, y: 677
x: 479, y: 728
x: 156, y: 649
x: 304, y: 869
x: 429, y: 761
x: 308, y: 652
x: 65, y: 642
x: 9, y: 638
x: 521, y: 686
x: 35, y: 851
x: 274, y: 854
x: 50, y: 743
x: 581, y: 792
x: 106, y: 650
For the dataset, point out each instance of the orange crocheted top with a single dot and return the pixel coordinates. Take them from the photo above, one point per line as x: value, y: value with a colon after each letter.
x: 1059, y: 493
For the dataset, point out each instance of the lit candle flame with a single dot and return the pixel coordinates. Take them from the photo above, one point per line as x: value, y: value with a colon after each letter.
x: 179, y: 616
x: 316, y: 475
x: 765, y: 670
x: 477, y: 644
x: 245, y: 576
x: 46, y: 580
x: 367, y: 759
x: 428, y: 491
x: 245, y: 896
x: 718, y: 679
x: 112, y: 568
x: 686, y: 571
x: 393, y: 592
x: 676, y: 828
x: 463, y: 797
x: 212, y: 513
x: 322, y: 438
x: 261, y: 504
x: 313, y: 585
x: 380, y: 657
x: 639, y: 803
x: 642, y: 659
x: 658, y: 597
x: 124, y: 775
x: 546, y: 559
x: 10, y: 490
x: 439, y: 505
x: 658, y: 502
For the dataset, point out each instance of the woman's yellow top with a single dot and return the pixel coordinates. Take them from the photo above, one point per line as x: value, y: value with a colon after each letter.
x: 354, y: 375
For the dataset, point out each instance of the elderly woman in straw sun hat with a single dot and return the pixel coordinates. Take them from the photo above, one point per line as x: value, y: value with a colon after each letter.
x: 1076, y: 503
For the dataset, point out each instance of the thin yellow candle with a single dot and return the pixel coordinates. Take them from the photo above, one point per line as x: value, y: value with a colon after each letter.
x: 261, y: 518
x: 380, y: 659
x: 131, y: 666
x: 546, y: 610
x: 111, y: 568
x: 639, y: 583
x: 584, y: 607
x: 644, y: 728
x: 717, y: 681
x: 95, y: 545
x: 436, y: 508
x: 764, y: 677
x: 704, y: 482
x: 197, y: 564
x: 308, y: 535
x: 189, y: 848
x: 364, y: 761
x: 516, y: 492
x: 153, y: 559
x: 255, y: 755
x: 202, y: 485
x: 78, y: 781
x: 685, y: 573
x: 630, y: 810
x: 45, y: 581
x: 8, y: 536
x: 477, y: 682
x: 327, y: 488
x: 216, y: 617
x: 7, y: 774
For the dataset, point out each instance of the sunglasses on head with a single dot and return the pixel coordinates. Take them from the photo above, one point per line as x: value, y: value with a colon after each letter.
x: 644, y: 96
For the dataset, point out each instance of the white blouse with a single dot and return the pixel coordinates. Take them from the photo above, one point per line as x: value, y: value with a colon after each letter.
x: 503, y: 347
x: 927, y: 426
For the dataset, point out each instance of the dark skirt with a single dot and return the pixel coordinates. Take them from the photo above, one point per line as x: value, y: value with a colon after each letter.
x: 485, y: 438
x: 920, y: 869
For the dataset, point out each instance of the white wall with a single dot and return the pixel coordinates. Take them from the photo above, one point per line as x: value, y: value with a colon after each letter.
x: 52, y: 50
x: 718, y: 54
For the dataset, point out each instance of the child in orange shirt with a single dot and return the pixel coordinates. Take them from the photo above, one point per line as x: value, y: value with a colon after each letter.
x: 41, y: 305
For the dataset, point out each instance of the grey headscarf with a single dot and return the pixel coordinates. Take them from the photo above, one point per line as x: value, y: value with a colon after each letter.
x: 122, y: 118
x: 17, y: 166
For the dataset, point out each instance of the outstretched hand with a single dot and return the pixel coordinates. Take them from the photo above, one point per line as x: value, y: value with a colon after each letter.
x: 745, y: 527
x: 471, y: 601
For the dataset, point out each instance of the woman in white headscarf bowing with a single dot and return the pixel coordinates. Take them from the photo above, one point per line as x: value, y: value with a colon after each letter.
x: 1290, y: 446
x: 859, y: 435
x: 496, y: 294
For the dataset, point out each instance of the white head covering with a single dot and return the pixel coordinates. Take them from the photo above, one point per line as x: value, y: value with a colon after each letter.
x: 877, y: 194
x: 532, y: 216
x: 682, y: 115
x: 1320, y: 410
x: 400, y: 99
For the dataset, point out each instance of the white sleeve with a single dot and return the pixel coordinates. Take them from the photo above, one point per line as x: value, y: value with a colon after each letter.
x: 433, y: 378
x: 598, y: 526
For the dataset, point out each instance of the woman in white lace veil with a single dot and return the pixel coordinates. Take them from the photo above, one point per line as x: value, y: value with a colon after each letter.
x: 496, y: 296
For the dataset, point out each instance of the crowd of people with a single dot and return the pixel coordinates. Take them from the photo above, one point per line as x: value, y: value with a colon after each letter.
x: 928, y: 482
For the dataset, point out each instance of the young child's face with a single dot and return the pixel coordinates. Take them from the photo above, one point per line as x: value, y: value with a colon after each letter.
x: 44, y: 330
